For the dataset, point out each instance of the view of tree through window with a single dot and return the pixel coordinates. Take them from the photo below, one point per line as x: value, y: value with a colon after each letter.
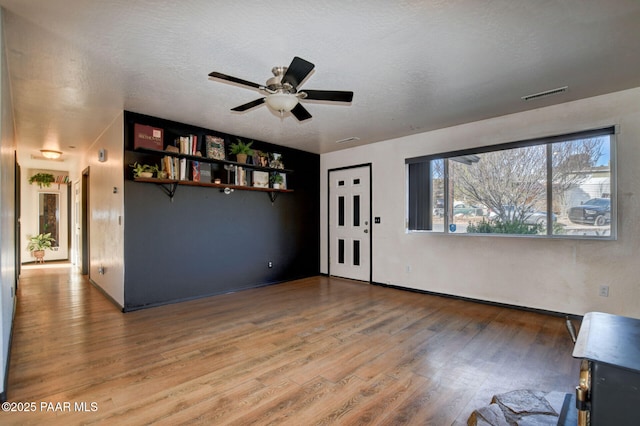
x: 555, y: 188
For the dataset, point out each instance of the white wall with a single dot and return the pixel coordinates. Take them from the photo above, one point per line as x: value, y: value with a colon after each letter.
x: 7, y: 214
x: 106, y: 211
x: 555, y: 275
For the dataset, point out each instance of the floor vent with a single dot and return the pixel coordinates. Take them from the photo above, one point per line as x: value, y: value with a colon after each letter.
x: 545, y: 93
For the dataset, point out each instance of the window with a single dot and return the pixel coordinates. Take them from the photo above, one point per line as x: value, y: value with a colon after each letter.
x: 557, y: 187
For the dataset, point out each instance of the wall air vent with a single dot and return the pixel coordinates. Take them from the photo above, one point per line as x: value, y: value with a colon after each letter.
x: 545, y: 93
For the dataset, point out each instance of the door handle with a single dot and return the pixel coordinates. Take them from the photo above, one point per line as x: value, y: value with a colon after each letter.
x: 366, y: 231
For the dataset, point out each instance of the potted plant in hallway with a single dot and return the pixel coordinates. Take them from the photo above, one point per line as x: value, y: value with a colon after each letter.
x: 38, y: 244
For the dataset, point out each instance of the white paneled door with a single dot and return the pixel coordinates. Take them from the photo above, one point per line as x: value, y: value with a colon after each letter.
x: 350, y: 223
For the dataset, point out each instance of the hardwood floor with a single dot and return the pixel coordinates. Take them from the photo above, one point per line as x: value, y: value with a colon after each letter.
x: 314, y: 351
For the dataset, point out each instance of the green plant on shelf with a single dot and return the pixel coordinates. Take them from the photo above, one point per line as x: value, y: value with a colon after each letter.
x: 42, y: 179
x: 241, y: 148
x: 143, y: 170
x: 276, y: 178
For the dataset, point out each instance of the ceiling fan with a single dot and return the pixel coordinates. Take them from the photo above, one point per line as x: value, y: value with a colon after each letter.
x: 281, y: 90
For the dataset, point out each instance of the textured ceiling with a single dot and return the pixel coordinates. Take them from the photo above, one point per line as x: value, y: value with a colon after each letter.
x: 413, y: 65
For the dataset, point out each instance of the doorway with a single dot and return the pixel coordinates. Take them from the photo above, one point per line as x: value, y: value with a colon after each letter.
x: 84, y: 222
x: 45, y: 209
x: 350, y: 222
x: 17, y: 230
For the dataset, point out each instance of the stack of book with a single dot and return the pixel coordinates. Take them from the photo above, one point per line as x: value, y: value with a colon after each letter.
x: 181, y: 168
x: 62, y: 179
x: 187, y: 144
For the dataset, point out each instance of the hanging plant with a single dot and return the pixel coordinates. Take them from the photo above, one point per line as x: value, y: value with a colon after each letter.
x: 42, y: 179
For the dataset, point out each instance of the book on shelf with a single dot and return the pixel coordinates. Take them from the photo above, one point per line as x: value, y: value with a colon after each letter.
x: 62, y: 180
x: 205, y: 172
x: 171, y: 166
x: 183, y: 169
x: 241, y: 176
x: 195, y: 171
x: 187, y: 144
x: 147, y: 137
x: 260, y: 179
x: 215, y: 147
x: 164, y: 166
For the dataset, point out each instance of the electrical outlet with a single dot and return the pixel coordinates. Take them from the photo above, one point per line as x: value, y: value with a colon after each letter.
x: 603, y: 291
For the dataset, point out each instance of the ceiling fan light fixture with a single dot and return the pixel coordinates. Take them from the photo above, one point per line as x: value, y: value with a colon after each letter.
x: 50, y: 154
x: 282, y: 93
x: 282, y: 102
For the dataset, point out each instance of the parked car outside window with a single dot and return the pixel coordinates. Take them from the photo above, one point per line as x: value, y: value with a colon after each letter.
x: 529, y: 216
x: 461, y: 209
x: 596, y: 211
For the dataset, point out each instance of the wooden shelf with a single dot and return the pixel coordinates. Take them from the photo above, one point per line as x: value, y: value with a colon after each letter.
x: 172, y: 132
x: 211, y: 160
x: 173, y: 184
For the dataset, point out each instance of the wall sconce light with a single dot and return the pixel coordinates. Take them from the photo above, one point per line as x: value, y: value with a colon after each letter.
x: 50, y: 154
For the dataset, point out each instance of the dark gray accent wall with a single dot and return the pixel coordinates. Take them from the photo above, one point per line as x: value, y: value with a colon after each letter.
x: 205, y: 242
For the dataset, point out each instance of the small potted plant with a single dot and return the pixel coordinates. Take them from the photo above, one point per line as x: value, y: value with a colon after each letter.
x: 38, y: 244
x: 143, y: 170
x: 241, y: 150
x: 276, y: 180
x: 42, y: 179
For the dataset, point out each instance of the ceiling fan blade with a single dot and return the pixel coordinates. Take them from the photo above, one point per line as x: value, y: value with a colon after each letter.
x: 249, y: 105
x: 221, y: 76
x: 297, y: 71
x: 329, y: 95
x: 300, y: 113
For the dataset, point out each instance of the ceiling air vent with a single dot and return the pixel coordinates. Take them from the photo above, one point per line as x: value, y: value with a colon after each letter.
x: 41, y: 157
x: 545, y: 93
x: 350, y: 139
